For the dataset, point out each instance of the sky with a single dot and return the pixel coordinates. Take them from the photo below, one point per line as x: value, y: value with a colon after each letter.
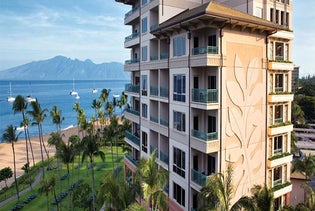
x: 33, y: 30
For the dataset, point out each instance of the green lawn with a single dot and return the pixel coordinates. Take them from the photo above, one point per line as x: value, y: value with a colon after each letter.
x: 101, y: 169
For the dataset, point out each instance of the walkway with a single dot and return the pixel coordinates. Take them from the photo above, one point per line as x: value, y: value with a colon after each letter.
x: 37, y: 180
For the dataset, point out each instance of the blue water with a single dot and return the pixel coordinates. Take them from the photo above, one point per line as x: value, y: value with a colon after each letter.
x: 49, y: 93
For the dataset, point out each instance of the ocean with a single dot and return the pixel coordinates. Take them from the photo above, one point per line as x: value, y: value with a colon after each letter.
x: 53, y: 92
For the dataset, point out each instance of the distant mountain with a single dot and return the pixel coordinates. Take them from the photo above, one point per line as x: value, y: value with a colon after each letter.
x: 63, y: 68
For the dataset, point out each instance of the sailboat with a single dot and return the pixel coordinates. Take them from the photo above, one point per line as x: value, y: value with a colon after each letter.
x: 73, y: 92
x: 10, y: 98
x: 94, y: 90
x: 29, y: 98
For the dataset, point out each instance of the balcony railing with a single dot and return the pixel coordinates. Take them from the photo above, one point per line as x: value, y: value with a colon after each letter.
x: 132, y: 36
x: 154, y: 26
x: 277, y: 182
x: 279, y: 58
x: 154, y: 90
x: 164, y: 122
x: 154, y: 57
x: 203, y: 135
x: 164, y: 157
x: 152, y: 148
x: 154, y: 119
x: 205, y: 50
x: 133, y: 161
x: 198, y: 177
x: 279, y: 120
x: 205, y: 95
x: 132, y: 88
x: 277, y: 151
x: 132, y: 61
x: 164, y: 56
x: 133, y: 138
x: 132, y: 11
x: 278, y: 89
x: 163, y: 91
x: 132, y: 111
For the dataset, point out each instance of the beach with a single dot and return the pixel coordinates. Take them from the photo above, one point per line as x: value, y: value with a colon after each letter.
x: 6, y: 155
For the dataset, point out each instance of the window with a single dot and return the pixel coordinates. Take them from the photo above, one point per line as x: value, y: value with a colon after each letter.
x: 144, y: 84
x: 179, y: 194
x: 179, y: 46
x: 144, y: 110
x: 277, y: 176
x: 211, y: 164
x: 179, y: 121
x: 279, y: 51
x: 212, y: 40
x: 179, y: 88
x: 279, y: 83
x: 144, y: 25
x: 179, y: 162
x: 278, y: 113
x: 144, y: 2
x: 144, y: 142
x: 271, y: 15
x: 259, y: 12
x: 277, y: 144
x: 277, y: 203
x: 144, y: 53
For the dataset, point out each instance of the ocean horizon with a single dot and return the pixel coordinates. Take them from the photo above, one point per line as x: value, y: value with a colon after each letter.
x: 50, y: 93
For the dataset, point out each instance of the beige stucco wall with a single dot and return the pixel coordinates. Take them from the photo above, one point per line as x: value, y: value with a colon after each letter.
x: 244, y: 109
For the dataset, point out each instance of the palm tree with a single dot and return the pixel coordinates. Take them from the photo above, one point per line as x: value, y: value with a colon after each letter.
x: 307, y: 166
x: 96, y: 105
x: 20, y: 106
x: 91, y: 148
x: 27, y: 124
x: 122, y: 101
x: 10, y: 136
x: 66, y: 153
x: 153, y: 180
x: 262, y: 197
x: 47, y: 186
x: 38, y: 114
x: 56, y: 117
x: 114, y: 193
x: 218, y: 192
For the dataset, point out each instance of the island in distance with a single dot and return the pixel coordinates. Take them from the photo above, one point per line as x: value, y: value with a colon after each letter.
x: 63, y: 68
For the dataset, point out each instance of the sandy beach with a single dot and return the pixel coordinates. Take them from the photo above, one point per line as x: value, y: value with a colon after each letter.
x: 6, y: 156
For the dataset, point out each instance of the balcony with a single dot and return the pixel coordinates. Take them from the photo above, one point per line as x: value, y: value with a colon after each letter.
x: 164, y: 56
x: 132, y: 111
x: 279, y: 160
x: 132, y: 40
x: 154, y: 26
x: 280, y: 64
x: 198, y: 178
x: 205, y: 56
x: 154, y: 90
x: 131, y: 160
x: 280, y: 97
x: 164, y: 122
x: 134, y: 139
x: 205, y: 50
x: 280, y: 128
x: 164, y: 157
x: 205, y: 95
x: 132, y: 15
x: 282, y: 189
x: 132, y: 64
x: 164, y: 91
x: 154, y: 119
x: 205, y: 142
x: 132, y: 88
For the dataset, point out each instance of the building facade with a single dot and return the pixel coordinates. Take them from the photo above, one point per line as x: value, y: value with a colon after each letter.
x: 211, y: 86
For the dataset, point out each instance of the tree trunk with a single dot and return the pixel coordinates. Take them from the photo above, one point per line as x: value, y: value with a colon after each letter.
x: 16, y: 183
x: 29, y: 140
x: 93, y: 197
x: 41, y: 152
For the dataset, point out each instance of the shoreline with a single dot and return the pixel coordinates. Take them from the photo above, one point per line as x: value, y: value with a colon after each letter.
x: 6, y: 155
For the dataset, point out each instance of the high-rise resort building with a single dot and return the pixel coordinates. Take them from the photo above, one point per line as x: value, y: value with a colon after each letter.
x: 211, y: 86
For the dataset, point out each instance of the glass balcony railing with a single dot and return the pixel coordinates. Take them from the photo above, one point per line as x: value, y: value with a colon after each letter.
x: 132, y: 61
x: 163, y: 91
x: 133, y: 138
x: 132, y: 88
x: 278, y: 89
x: 198, y: 177
x: 205, y: 95
x: 164, y: 122
x: 204, y: 136
x: 154, y: 57
x: 152, y: 148
x: 277, y: 151
x: 132, y: 111
x: 164, y: 157
x: 133, y: 161
x: 164, y: 56
x: 154, y: 90
x: 132, y: 36
x: 154, y: 119
x: 154, y: 26
x: 136, y: 8
x: 279, y: 120
x: 205, y: 50
x: 277, y: 182
x: 279, y: 58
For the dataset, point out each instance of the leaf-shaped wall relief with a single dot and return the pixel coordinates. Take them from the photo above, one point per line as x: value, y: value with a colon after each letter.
x: 240, y: 72
x: 252, y: 73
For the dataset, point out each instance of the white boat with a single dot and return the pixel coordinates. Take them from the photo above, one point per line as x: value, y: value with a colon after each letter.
x: 94, y: 91
x: 30, y: 99
x: 73, y: 92
x: 10, y: 98
x: 116, y: 95
x: 77, y: 97
x: 21, y: 128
